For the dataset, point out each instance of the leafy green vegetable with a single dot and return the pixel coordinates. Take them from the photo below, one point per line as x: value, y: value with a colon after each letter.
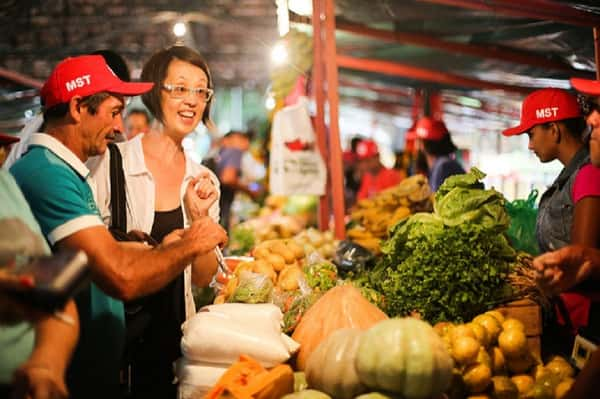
x: 452, y: 264
x: 321, y: 275
x: 252, y: 288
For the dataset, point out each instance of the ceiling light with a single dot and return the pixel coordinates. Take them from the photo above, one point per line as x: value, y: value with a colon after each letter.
x: 283, y: 17
x: 301, y: 7
x: 279, y: 54
x: 179, y: 29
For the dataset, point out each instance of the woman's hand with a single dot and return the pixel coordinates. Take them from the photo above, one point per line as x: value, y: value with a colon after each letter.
x: 200, y: 195
x: 560, y: 270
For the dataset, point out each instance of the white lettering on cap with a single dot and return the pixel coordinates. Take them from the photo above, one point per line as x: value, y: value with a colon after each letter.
x: 78, y: 82
x: 547, y: 112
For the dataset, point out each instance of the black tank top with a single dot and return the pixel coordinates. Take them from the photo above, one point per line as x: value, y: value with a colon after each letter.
x: 161, y: 341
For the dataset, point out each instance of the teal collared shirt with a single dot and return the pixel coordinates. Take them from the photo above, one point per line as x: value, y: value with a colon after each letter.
x: 54, y: 181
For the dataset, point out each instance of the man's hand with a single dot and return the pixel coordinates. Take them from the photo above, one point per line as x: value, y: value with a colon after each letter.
x: 204, y: 234
x: 200, y: 195
x: 561, y: 270
x: 38, y: 381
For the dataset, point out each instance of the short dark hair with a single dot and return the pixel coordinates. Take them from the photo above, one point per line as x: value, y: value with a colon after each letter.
x: 439, y: 148
x: 116, y: 63
x: 575, y: 126
x: 139, y: 111
x: 155, y: 70
x: 92, y: 103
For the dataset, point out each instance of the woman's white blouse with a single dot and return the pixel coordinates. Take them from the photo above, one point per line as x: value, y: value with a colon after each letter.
x: 140, y: 194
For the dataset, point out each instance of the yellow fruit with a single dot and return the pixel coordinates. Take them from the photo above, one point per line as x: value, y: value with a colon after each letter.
x: 462, y: 330
x: 480, y: 396
x: 498, y: 361
x: 563, y: 387
x: 513, y: 343
x: 523, y: 382
x: 492, y: 326
x: 560, y: 368
x: 480, y: 333
x: 520, y: 365
x: 503, y: 388
x: 497, y: 314
x: 477, y: 378
x: 510, y: 323
x: 484, y: 357
x: 465, y: 349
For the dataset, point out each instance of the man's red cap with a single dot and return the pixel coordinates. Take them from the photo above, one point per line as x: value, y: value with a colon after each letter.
x: 430, y: 129
x: 543, y: 106
x: 591, y: 87
x: 366, y: 149
x: 83, y: 76
x: 6, y: 139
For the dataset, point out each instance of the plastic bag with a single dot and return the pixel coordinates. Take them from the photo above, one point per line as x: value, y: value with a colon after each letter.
x: 252, y: 288
x: 521, y: 231
x: 196, y: 379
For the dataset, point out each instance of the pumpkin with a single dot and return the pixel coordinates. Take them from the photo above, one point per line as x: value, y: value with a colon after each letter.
x: 307, y: 394
x: 340, y: 307
x: 404, y: 356
x: 330, y: 368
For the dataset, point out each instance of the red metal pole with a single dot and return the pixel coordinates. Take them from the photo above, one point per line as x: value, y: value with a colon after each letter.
x: 436, y: 110
x: 409, y: 71
x: 536, y: 9
x: 493, y: 52
x: 335, y: 149
x: 597, y: 51
x: 319, y: 90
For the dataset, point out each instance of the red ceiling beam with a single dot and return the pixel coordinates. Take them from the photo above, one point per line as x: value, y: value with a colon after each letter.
x: 375, y: 88
x: 535, y: 9
x: 412, y: 72
x: 493, y: 52
x: 20, y: 78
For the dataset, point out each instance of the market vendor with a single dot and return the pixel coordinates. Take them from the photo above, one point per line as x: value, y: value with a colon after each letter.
x: 375, y: 176
x: 553, y: 120
x: 435, y: 142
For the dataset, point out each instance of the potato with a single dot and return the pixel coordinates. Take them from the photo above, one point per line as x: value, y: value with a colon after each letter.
x: 264, y: 267
x: 261, y: 252
x: 278, y: 247
x: 244, y: 266
x: 288, y: 278
x: 296, y: 249
x: 276, y: 261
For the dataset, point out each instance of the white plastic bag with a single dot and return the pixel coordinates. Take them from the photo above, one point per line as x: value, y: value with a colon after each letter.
x: 196, y: 379
x: 296, y: 164
x: 221, y: 333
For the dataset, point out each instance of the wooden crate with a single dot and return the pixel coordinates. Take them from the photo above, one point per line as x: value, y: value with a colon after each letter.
x: 530, y: 314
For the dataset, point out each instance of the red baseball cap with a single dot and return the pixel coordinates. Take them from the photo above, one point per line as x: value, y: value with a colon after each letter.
x: 83, y: 76
x: 430, y: 129
x: 366, y: 149
x: 8, y: 139
x: 543, y: 106
x: 591, y: 87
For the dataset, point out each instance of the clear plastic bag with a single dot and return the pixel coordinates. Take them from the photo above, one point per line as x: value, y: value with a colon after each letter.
x: 521, y: 231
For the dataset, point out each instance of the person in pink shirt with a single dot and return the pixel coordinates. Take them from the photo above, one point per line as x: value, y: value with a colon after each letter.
x: 375, y: 176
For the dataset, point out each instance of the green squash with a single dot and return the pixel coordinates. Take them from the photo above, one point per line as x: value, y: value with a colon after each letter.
x: 330, y: 368
x: 404, y: 356
x: 307, y: 394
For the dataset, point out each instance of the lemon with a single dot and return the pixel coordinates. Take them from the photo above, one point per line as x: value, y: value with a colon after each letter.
x: 498, y: 361
x: 497, y: 314
x: 492, y: 326
x: 560, y: 368
x: 523, y: 382
x: 480, y: 333
x: 513, y: 343
x: 465, y: 349
x: 477, y: 378
x: 520, y: 364
x: 511, y: 323
x: 462, y: 330
x: 442, y: 328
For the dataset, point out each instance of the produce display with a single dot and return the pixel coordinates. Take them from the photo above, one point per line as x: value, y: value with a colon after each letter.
x: 493, y: 360
x: 453, y: 263
x: 313, y: 240
x: 375, y: 216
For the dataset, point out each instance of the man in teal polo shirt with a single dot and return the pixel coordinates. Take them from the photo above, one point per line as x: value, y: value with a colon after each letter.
x: 83, y: 101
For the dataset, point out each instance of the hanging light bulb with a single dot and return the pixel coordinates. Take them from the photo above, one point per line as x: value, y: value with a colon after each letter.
x: 270, y: 101
x: 279, y: 54
x: 179, y: 29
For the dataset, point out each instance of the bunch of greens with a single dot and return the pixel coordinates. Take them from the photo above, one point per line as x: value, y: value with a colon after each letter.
x: 252, y: 288
x: 321, y: 275
x: 452, y: 264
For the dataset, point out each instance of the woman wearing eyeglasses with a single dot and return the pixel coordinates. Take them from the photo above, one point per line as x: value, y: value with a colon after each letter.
x: 165, y: 191
x: 568, y: 210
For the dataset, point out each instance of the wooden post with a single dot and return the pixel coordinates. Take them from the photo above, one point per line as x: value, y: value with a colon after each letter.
x: 319, y: 91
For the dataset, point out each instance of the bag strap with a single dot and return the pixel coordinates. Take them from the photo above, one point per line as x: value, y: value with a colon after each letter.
x: 118, y: 200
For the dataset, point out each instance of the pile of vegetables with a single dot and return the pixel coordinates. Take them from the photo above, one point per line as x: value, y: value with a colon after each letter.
x: 450, y: 264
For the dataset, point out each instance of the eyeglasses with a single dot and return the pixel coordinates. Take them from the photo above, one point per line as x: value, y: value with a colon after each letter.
x: 178, y: 92
x: 588, y: 104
